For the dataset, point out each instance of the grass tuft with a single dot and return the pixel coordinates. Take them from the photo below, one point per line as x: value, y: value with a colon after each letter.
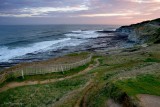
x: 142, y: 84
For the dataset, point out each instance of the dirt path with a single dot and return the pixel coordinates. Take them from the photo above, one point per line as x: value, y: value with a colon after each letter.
x: 149, y: 100
x: 25, y: 83
x: 112, y: 103
x: 85, y: 91
x: 82, y: 100
x: 70, y: 95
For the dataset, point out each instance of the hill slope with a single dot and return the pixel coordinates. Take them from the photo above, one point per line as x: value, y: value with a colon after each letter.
x: 147, y: 31
x: 122, y: 78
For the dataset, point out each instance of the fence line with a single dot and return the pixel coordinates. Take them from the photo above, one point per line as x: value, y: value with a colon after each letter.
x: 40, y: 69
x: 3, y: 77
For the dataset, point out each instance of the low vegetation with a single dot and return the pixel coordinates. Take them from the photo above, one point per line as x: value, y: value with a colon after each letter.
x: 43, y: 95
x: 142, y: 84
x: 120, y: 76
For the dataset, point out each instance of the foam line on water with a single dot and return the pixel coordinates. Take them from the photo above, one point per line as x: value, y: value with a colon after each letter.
x: 83, y: 34
x: 6, y: 54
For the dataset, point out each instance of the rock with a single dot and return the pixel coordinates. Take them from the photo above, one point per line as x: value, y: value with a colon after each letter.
x: 144, y: 32
x: 144, y: 45
x: 105, y: 31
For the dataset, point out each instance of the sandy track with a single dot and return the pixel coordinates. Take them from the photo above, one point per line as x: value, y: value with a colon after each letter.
x: 70, y: 95
x: 86, y: 89
x: 149, y: 100
x: 82, y: 99
x: 25, y: 83
x: 112, y: 103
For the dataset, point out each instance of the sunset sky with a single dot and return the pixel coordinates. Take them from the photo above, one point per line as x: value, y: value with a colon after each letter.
x: 116, y: 12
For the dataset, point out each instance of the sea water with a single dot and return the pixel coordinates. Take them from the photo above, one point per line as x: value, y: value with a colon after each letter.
x: 25, y: 43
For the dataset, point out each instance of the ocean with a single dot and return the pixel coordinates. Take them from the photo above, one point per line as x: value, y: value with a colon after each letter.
x: 27, y: 43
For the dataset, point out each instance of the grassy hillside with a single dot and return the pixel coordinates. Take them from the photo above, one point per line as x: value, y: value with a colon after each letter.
x: 121, y: 75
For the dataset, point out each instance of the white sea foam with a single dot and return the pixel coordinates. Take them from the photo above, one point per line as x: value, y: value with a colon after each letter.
x: 83, y: 34
x: 6, y: 54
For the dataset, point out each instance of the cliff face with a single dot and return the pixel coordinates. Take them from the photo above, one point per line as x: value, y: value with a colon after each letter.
x: 148, y: 31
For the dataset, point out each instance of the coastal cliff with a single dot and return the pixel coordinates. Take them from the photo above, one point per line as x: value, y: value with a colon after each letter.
x: 144, y: 32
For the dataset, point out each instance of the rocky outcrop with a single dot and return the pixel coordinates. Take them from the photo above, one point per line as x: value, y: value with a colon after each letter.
x: 148, y: 31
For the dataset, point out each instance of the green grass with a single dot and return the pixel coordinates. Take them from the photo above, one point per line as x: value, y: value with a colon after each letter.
x: 79, y: 54
x: 142, y: 84
x: 152, y: 60
x: 40, y: 95
x: 97, y: 96
x: 101, y: 61
x: 104, y: 86
x: 109, y: 68
x: 100, y: 91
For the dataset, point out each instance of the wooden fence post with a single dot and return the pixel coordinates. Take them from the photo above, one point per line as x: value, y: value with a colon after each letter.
x: 62, y: 69
x: 22, y: 74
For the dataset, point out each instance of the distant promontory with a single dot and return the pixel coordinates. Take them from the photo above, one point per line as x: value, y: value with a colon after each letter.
x: 144, y: 32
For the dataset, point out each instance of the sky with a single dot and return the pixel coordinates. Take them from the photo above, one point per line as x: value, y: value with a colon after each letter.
x: 111, y: 12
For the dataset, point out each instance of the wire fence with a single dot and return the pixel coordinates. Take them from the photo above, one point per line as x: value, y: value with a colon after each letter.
x: 41, y: 69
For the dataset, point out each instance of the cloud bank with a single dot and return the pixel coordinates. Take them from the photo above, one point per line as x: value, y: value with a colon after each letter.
x: 78, y: 11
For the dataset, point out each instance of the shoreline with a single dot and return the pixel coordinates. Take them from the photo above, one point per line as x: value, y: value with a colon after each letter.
x: 112, y: 40
x: 119, y: 76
